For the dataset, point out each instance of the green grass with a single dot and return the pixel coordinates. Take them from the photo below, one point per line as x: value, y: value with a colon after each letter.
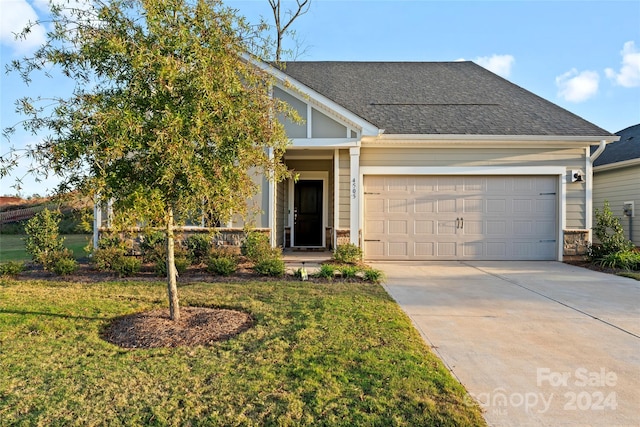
x: 631, y: 274
x: 12, y: 246
x: 319, y: 354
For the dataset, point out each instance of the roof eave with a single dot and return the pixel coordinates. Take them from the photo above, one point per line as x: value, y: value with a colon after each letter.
x: 617, y: 165
x: 448, y: 140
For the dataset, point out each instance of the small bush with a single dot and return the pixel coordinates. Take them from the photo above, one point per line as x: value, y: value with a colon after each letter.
x: 198, y: 247
x: 270, y: 267
x: 348, y: 254
x: 610, y: 233
x: 159, y: 257
x: 349, y: 271
x: 627, y: 260
x: 106, y: 258
x: 372, y: 275
x: 11, y: 268
x: 127, y: 266
x: 63, y: 263
x: 43, y: 236
x: 256, y: 247
x: 223, y: 265
x: 149, y: 244
x: 327, y: 271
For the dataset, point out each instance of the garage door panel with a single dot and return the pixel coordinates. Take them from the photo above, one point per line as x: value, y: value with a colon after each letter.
x: 424, y: 227
x: 446, y: 249
x: 424, y: 249
x: 455, y: 217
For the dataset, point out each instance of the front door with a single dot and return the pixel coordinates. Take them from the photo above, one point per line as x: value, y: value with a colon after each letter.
x: 307, y: 213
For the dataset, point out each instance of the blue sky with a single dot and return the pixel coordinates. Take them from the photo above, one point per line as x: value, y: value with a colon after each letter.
x: 581, y: 55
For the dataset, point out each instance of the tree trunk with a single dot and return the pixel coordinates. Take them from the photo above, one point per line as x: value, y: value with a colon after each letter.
x: 172, y: 287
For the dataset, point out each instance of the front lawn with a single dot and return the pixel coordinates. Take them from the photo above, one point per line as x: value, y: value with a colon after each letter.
x: 318, y: 354
x: 12, y: 246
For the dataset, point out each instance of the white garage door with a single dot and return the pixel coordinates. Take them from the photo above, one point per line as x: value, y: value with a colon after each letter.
x: 460, y: 217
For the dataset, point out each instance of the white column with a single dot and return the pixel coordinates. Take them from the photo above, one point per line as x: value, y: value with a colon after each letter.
x: 354, y: 196
x: 272, y: 204
x: 336, y: 196
x: 97, y: 221
x: 588, y: 192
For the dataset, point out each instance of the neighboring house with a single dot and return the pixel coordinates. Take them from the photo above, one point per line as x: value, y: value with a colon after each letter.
x: 428, y: 161
x: 617, y: 179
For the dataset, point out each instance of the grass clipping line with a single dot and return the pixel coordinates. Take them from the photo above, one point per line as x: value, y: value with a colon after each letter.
x: 197, y: 326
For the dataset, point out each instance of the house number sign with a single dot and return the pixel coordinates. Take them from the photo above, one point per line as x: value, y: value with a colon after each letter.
x: 354, y: 189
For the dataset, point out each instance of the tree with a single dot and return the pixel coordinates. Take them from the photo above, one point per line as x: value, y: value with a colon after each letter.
x: 282, y: 26
x: 169, y: 118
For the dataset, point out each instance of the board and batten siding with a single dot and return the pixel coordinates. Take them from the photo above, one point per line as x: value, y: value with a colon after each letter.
x: 619, y: 186
x: 570, y: 158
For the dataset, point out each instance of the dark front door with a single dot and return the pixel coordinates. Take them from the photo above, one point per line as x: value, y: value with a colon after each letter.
x: 307, y: 213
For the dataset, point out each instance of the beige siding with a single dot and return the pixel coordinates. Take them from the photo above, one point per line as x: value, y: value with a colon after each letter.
x: 471, y: 157
x: 345, y: 200
x: 281, y: 212
x: 619, y: 186
x: 571, y: 158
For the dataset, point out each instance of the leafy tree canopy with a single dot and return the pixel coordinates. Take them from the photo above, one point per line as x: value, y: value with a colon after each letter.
x: 168, y: 110
x: 169, y: 117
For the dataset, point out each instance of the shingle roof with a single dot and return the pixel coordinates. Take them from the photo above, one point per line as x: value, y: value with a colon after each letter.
x: 438, y: 98
x: 627, y: 148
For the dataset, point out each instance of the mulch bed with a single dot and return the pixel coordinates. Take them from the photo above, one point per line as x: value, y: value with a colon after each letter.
x: 197, y: 326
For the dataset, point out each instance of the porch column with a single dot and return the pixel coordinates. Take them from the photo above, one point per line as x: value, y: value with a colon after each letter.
x: 336, y: 196
x: 272, y: 204
x: 354, y: 181
x: 97, y: 221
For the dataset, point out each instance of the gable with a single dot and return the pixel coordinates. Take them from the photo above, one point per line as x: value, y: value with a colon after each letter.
x: 315, y: 123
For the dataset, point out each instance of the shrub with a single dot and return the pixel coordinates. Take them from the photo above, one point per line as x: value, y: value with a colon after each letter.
x: 628, y: 260
x: 62, y: 263
x: 222, y: 265
x: 106, y: 258
x: 348, y: 254
x: 610, y: 233
x: 11, y: 268
x: 160, y: 259
x: 127, y: 266
x: 327, y: 271
x: 372, y: 275
x: 270, y: 267
x: 150, y: 242
x: 197, y: 246
x: 349, y: 271
x: 256, y: 247
x: 43, y: 235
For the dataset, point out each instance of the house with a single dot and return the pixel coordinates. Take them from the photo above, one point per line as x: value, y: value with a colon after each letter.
x: 428, y: 161
x: 617, y: 179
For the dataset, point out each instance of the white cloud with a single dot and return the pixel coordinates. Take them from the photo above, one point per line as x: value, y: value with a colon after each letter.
x: 629, y: 75
x: 15, y: 16
x: 499, y: 64
x: 577, y: 87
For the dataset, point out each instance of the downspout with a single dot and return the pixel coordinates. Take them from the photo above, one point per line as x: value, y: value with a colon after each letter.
x: 589, y: 185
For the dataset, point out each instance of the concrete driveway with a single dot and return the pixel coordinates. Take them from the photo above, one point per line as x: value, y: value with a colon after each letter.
x: 534, y: 343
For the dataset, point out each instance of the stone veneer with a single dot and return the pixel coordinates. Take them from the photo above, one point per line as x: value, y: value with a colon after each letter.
x: 576, y: 242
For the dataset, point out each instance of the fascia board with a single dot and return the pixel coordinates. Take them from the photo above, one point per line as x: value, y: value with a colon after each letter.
x: 617, y: 165
x: 324, y: 143
x: 448, y: 141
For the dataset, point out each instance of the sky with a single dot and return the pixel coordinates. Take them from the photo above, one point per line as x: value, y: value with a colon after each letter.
x: 581, y: 55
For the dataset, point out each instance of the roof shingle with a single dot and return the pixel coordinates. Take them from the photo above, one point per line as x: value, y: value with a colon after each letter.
x: 627, y: 148
x: 438, y: 98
